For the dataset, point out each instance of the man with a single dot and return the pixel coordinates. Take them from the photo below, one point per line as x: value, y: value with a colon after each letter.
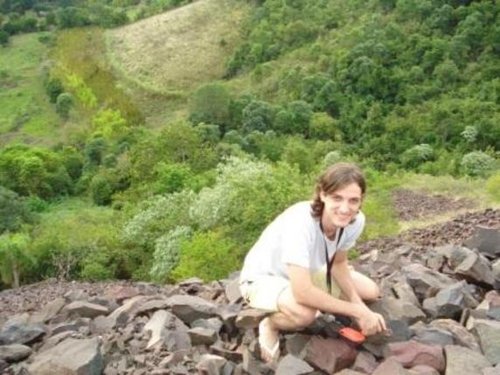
x: 298, y: 267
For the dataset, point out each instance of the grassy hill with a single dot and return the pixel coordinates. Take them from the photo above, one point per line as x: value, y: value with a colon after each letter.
x: 25, y: 112
x: 164, y: 57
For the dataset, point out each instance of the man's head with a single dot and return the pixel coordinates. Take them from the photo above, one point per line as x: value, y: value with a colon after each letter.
x: 341, y: 187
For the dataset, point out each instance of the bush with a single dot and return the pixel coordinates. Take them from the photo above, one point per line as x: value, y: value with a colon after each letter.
x: 477, y: 163
x: 167, y: 253
x: 64, y: 102
x: 208, y: 255
x: 101, y: 190
x: 210, y: 104
x: 416, y: 155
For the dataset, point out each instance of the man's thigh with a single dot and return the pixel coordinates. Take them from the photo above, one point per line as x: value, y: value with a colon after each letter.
x: 264, y: 292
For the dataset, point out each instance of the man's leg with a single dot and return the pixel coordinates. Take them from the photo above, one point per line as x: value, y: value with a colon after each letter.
x: 291, y: 316
x: 367, y: 289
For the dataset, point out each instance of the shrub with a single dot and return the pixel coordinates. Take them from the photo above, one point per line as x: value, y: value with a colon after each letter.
x: 210, y: 104
x: 167, y: 253
x: 101, y: 190
x: 208, y: 255
x: 64, y: 102
x: 416, y: 155
x: 477, y: 163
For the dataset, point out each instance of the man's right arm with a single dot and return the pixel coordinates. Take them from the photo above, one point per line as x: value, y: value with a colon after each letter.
x: 307, y: 294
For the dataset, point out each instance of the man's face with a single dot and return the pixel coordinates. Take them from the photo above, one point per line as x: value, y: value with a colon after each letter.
x: 341, y: 205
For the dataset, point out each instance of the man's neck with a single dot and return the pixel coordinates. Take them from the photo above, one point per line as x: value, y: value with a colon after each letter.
x: 329, y: 230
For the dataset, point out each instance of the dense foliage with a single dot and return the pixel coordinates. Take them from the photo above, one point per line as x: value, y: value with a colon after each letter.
x: 395, y: 85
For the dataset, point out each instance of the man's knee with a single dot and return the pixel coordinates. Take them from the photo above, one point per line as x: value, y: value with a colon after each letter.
x: 371, y: 292
x: 303, y: 317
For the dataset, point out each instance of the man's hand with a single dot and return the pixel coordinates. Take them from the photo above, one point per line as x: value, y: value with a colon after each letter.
x: 370, y: 322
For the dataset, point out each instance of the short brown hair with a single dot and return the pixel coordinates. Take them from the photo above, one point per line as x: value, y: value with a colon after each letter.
x: 334, y: 178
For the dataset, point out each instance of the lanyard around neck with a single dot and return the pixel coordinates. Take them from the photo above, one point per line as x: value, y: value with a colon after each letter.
x: 329, y: 263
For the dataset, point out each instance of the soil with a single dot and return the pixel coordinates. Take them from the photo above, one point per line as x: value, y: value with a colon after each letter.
x: 411, y: 205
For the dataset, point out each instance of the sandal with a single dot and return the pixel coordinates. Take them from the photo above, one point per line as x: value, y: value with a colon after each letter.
x: 268, y: 354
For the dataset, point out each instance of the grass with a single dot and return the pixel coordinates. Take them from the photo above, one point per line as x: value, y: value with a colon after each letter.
x: 165, y: 57
x: 81, y: 52
x: 25, y: 111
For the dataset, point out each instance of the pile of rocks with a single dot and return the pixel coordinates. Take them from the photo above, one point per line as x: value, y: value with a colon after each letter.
x: 442, y: 305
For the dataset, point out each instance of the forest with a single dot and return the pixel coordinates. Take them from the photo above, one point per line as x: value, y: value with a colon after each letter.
x: 107, y: 172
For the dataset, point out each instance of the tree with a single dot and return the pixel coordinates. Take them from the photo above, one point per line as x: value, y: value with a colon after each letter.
x: 13, y: 211
x: 4, y: 38
x: 64, y: 102
x: 210, y: 104
x: 14, y: 257
x: 54, y: 88
x: 258, y: 115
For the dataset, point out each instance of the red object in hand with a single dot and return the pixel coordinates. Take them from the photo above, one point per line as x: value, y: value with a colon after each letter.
x: 352, y: 335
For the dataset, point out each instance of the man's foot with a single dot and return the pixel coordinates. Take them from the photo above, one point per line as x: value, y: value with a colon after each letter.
x: 269, y: 342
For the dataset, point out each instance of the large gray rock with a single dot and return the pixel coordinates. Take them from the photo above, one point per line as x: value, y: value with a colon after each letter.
x: 486, y: 240
x: 190, y: 308
x: 489, y: 338
x: 14, y: 352
x: 423, y: 280
x: 85, y: 309
x: 464, y: 361
x: 291, y: 365
x: 70, y: 357
x: 18, y: 333
x: 471, y: 265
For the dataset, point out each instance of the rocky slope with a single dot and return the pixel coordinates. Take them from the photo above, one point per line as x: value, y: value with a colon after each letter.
x: 440, y: 299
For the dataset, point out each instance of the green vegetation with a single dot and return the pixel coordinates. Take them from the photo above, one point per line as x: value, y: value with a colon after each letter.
x: 160, y: 149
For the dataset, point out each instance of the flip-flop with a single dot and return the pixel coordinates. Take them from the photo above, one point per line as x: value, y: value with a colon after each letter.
x: 268, y: 354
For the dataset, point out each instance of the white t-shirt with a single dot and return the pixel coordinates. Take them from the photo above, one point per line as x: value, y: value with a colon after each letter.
x: 295, y: 237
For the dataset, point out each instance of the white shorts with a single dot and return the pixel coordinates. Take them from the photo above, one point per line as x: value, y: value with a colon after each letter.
x: 263, y: 293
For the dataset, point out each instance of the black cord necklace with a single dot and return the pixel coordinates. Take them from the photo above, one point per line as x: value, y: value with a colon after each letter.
x: 329, y: 263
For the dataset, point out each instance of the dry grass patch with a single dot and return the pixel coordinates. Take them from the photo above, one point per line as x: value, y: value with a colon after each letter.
x: 177, y: 50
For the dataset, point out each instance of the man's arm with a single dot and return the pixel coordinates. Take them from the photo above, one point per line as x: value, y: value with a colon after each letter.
x: 370, y: 322
x: 307, y: 294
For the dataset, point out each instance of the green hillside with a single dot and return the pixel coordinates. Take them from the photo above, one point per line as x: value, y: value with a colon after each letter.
x: 158, y: 135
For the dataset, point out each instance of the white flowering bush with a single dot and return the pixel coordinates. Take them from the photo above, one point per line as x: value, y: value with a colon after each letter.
x: 156, y: 217
x: 416, y: 155
x: 477, y: 163
x: 220, y: 203
x: 166, y: 253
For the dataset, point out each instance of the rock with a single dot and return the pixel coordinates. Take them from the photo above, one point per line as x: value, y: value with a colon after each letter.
x: 464, y: 361
x: 412, y: 353
x: 210, y: 364
x: 486, y: 240
x: 157, y: 326
x: 85, y: 309
x: 191, y: 308
x: 489, y: 338
x: 14, y: 352
x: 49, y: 311
x: 70, y: 357
x: 202, y: 336
x: 329, y: 355
x: 291, y: 365
x: 21, y: 333
x: 460, y: 335
x: 423, y: 280
x: 391, y: 367
x: 250, y: 318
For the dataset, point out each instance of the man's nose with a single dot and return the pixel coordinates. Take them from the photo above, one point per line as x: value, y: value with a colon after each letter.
x: 344, y: 207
